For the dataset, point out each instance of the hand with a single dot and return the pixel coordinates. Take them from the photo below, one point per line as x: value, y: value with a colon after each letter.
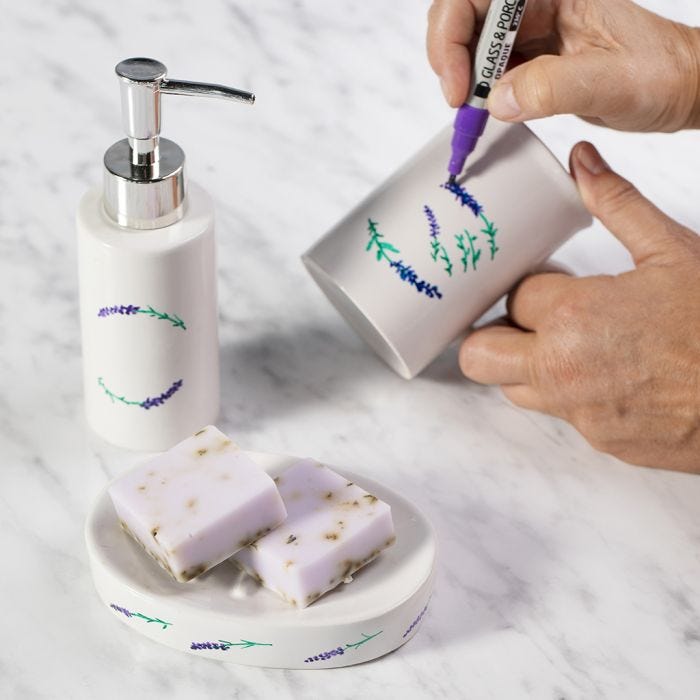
x: 619, y: 357
x: 611, y: 62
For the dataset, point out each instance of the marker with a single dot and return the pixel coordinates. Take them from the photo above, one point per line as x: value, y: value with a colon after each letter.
x: 490, y: 61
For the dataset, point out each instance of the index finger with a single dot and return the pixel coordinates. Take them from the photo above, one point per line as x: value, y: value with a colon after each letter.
x: 451, y: 25
x: 535, y: 297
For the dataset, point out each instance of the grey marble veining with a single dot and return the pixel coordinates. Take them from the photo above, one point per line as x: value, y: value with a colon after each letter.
x: 563, y: 573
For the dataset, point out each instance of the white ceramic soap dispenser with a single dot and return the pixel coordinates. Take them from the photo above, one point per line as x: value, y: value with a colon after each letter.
x: 148, y: 278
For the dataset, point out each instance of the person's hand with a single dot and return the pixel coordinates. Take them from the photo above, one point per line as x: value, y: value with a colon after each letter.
x: 609, y: 61
x: 617, y: 356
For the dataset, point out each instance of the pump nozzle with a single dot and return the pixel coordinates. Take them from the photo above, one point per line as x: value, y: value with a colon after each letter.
x: 144, y: 179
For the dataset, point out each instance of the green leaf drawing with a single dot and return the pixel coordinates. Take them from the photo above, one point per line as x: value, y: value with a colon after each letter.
x: 244, y: 644
x: 490, y: 231
x: 366, y: 639
x: 174, y: 319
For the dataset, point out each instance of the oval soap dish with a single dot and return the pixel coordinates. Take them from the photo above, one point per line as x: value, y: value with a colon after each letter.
x: 226, y: 615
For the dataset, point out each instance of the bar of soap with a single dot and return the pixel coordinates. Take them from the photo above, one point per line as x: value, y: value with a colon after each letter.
x: 197, y: 504
x: 333, y: 528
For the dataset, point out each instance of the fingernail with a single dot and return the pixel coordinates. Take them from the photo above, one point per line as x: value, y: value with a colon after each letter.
x: 503, y: 103
x: 590, y: 160
x: 444, y: 85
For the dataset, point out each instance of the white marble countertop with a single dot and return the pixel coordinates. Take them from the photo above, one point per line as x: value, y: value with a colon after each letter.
x: 563, y: 573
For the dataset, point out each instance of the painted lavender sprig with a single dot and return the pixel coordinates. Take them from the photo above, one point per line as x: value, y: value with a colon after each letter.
x: 405, y: 272
x: 415, y: 623
x: 446, y: 259
x: 122, y: 310
x: 436, y: 248
x: 375, y: 239
x: 160, y: 400
x: 434, y: 231
x: 366, y: 639
x: 325, y: 655
x: 339, y: 651
x: 470, y: 253
x: 490, y: 231
x: 225, y: 646
x: 409, y: 275
x: 131, y: 613
x: 147, y: 403
x: 131, y: 310
x: 463, y: 197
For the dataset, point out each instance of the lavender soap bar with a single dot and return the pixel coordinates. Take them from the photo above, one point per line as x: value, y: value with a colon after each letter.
x: 197, y: 504
x: 333, y: 529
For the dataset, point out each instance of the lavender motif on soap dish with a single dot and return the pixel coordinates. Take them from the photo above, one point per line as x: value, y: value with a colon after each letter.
x: 338, y: 651
x: 131, y: 613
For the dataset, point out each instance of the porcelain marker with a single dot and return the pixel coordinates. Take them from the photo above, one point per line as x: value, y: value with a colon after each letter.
x: 490, y: 61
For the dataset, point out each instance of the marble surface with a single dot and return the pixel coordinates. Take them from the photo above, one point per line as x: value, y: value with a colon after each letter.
x: 563, y: 573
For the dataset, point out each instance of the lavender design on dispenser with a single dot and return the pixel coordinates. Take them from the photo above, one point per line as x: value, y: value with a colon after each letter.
x: 147, y: 403
x: 404, y: 270
x: 131, y: 310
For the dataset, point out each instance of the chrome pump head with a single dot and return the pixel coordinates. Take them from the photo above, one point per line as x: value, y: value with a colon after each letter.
x: 144, y: 180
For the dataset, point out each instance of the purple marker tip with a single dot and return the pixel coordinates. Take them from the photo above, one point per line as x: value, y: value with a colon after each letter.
x: 469, y: 125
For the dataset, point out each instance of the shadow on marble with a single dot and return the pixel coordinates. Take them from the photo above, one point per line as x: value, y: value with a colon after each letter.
x: 295, y: 365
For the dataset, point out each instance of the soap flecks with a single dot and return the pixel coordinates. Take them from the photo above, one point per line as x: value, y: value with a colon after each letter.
x: 202, y: 451
x: 191, y: 503
x: 201, y: 432
x: 193, y: 572
x: 277, y: 480
x: 312, y: 597
x: 154, y: 533
x: 290, y: 539
x: 328, y: 496
x: 142, y: 487
x: 288, y: 563
x: 331, y: 536
x: 370, y: 498
x: 350, y: 483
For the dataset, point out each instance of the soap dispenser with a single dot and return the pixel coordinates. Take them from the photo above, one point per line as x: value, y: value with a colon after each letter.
x: 146, y: 258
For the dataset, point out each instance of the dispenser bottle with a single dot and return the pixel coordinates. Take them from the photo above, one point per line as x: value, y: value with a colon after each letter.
x: 146, y: 259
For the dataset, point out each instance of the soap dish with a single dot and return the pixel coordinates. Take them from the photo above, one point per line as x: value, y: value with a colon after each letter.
x: 225, y: 614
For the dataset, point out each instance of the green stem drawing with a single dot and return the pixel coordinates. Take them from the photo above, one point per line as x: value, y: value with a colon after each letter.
x: 174, y: 319
x: 467, y: 253
x: 367, y: 637
x: 435, y: 246
x: 114, y: 397
x: 152, y: 619
x: 446, y: 259
x: 382, y: 246
x: 490, y: 232
x: 245, y: 644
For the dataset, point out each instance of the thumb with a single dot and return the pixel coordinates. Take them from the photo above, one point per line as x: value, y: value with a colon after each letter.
x: 549, y: 85
x: 638, y: 224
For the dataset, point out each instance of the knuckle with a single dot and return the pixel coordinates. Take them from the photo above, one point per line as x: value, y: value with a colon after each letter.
x: 617, y: 196
x: 538, y: 89
x: 591, y: 423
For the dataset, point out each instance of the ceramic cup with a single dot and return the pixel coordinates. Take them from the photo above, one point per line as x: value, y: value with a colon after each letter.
x: 418, y: 261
